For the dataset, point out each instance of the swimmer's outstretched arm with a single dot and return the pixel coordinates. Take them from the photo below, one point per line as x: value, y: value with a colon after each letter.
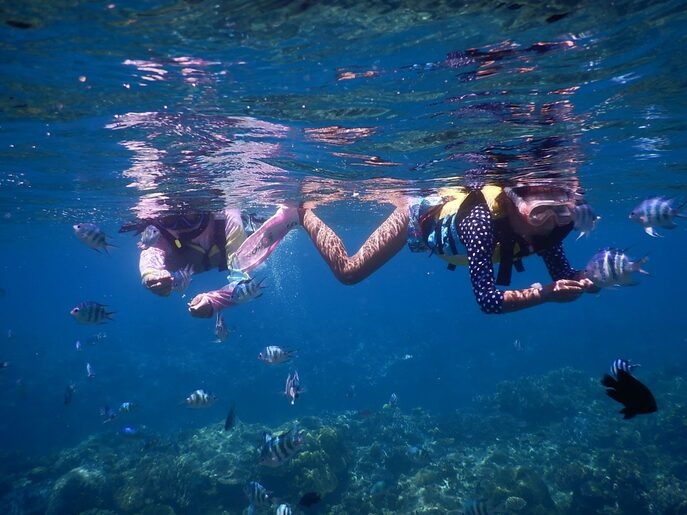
x: 153, y: 269
x: 208, y: 304
x: 383, y: 244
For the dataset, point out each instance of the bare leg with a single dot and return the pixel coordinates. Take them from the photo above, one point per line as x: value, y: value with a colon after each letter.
x: 380, y: 247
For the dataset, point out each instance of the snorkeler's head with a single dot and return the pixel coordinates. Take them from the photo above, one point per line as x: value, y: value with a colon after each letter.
x: 540, y: 202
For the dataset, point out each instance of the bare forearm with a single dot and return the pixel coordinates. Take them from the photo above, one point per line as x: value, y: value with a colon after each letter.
x: 563, y: 290
x: 515, y: 300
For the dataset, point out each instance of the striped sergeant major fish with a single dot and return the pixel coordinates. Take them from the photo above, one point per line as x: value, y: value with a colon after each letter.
x: 246, y: 290
x: 91, y: 312
x: 657, y: 212
x: 276, y: 450
x: 585, y: 219
x: 181, y: 279
x: 273, y: 354
x: 612, y: 267
x: 478, y: 507
x: 92, y: 236
x: 284, y: 509
x: 200, y: 399
x: 623, y: 364
x: 257, y: 495
x: 149, y: 237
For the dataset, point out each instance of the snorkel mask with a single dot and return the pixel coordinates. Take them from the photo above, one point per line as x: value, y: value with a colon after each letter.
x: 539, y: 203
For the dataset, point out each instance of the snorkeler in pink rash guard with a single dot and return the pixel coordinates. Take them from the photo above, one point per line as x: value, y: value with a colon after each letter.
x: 177, y: 246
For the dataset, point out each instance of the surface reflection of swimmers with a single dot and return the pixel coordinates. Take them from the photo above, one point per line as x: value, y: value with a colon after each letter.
x: 477, y: 227
x: 205, y: 241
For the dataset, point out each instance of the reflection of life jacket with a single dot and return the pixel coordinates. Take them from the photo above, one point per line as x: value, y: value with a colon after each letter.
x: 438, y: 227
x: 187, y: 229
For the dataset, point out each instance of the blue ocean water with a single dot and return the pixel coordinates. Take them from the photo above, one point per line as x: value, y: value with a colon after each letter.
x: 109, y: 111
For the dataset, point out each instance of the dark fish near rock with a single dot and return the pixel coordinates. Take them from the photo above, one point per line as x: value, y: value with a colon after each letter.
x: 68, y: 394
x: 18, y: 24
x: 636, y: 398
x: 309, y: 499
x: 230, y: 421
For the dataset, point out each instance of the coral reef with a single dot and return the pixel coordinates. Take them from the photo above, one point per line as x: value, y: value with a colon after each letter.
x: 528, y: 448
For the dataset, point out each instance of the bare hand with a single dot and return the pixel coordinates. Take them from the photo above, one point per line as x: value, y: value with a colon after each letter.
x: 587, y: 283
x: 161, y: 284
x: 200, y: 306
x: 564, y: 290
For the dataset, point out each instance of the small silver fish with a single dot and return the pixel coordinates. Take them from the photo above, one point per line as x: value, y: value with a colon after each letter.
x: 292, y: 389
x: 272, y: 355
x: 246, y: 290
x: 127, y: 407
x: 149, y: 237
x: 221, y: 330
x: 181, y: 279
x: 200, y: 399
x: 91, y: 312
x: 90, y: 373
x: 585, y: 219
x: 612, y: 267
x: 92, y: 236
x: 96, y: 338
x: 108, y: 414
x: 657, y: 212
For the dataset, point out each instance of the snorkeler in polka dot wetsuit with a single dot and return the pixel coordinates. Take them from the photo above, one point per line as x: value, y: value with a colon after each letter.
x: 477, y: 234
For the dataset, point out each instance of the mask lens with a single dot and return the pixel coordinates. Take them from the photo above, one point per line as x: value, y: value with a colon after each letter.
x: 540, y: 214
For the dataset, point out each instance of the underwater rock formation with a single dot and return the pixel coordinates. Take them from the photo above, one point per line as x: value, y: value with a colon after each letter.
x: 79, y: 490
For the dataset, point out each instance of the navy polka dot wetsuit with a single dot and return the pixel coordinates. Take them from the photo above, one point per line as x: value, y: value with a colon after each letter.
x: 476, y: 233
